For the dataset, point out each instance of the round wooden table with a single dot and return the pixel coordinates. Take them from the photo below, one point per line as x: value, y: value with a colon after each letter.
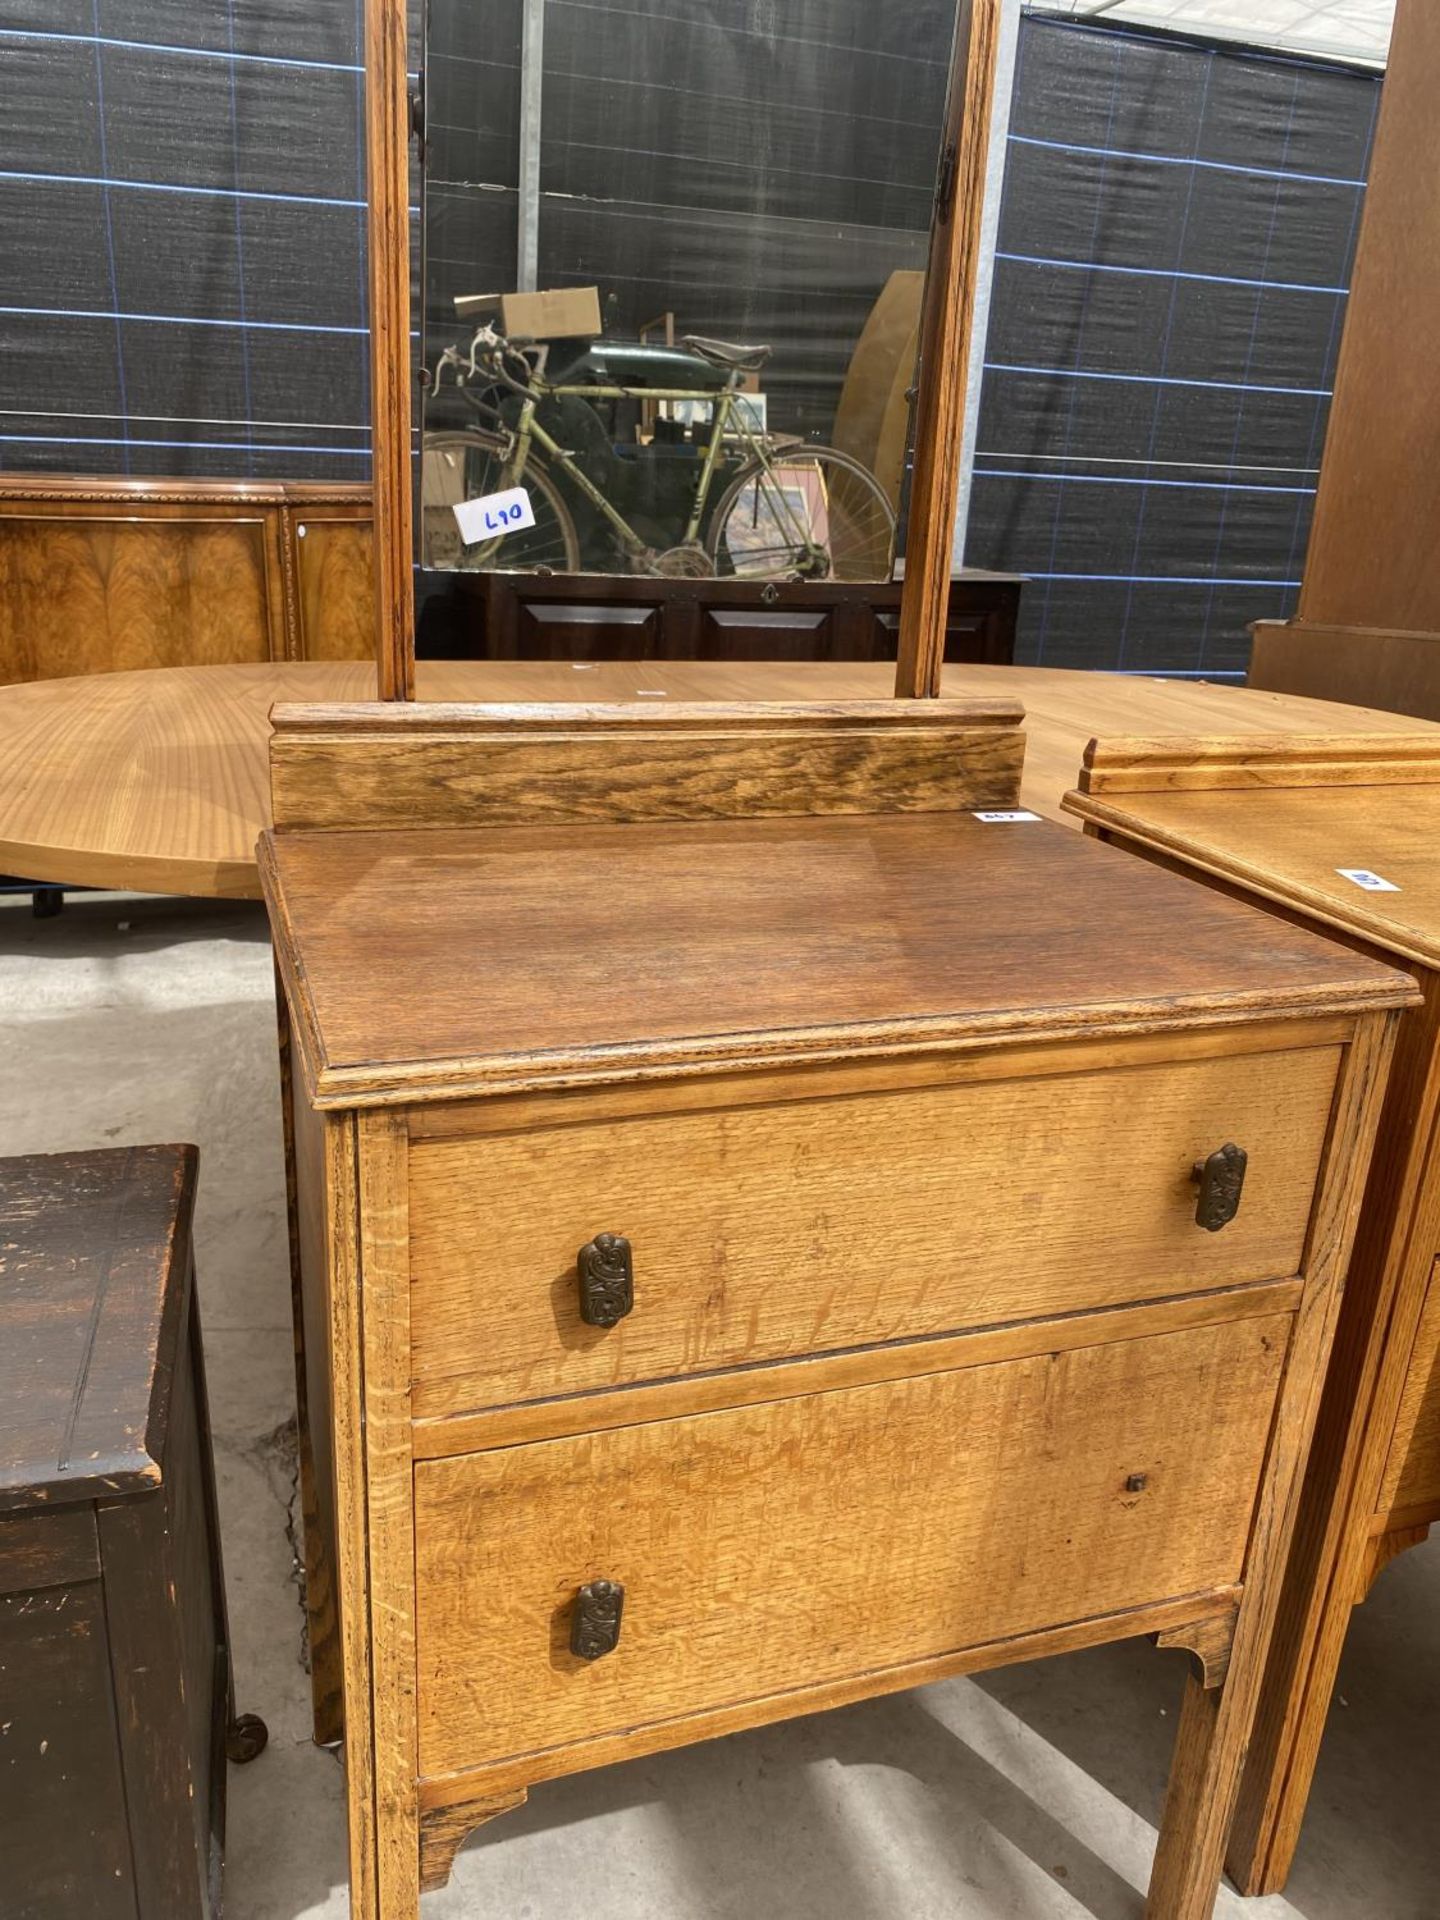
x: 158, y: 782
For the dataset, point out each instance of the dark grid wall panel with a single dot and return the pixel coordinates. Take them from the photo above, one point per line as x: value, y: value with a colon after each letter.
x: 759, y: 170
x: 1177, y: 232
x: 182, y: 238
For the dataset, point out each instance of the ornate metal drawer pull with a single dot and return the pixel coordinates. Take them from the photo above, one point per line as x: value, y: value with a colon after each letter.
x: 595, y: 1625
x: 1221, y: 1180
x: 607, y: 1280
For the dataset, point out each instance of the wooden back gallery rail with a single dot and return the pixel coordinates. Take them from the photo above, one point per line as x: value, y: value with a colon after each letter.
x: 370, y: 768
x: 946, y: 323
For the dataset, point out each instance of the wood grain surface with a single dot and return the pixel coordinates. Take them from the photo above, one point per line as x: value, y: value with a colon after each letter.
x: 937, y: 1513
x: 344, y: 1305
x: 307, y: 1167
x: 1205, y: 763
x: 57, y: 1640
x: 1290, y: 845
x: 444, y: 1830
x: 1374, y: 1477
x: 1412, y: 1472
x: 87, y: 596
x: 1217, y: 1726
x: 946, y: 326
x: 760, y: 1232
x: 595, y: 953
x: 334, y: 587
x: 101, y: 575
x: 49, y: 1547
x: 389, y: 1499
x: 160, y: 781
x: 442, y: 1437
x: 1368, y: 561
x: 1368, y: 622
x: 387, y: 157
x: 427, y: 765
x: 1397, y: 671
x: 89, y: 1243
x: 1333, y: 1554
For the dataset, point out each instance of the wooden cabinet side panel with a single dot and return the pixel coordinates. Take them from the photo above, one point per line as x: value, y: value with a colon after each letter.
x: 1412, y: 1473
x: 1217, y: 1734
x: 389, y: 1490
x: 306, y: 1153
x: 152, y: 1631
x: 1319, y: 1545
x: 1368, y: 562
x: 344, y: 1339
x: 64, y: 1841
x: 198, y: 1576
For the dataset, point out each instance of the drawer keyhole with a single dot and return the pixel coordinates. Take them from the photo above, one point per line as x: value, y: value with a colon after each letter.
x: 595, y: 1623
x: 1221, y: 1180
x: 606, y: 1270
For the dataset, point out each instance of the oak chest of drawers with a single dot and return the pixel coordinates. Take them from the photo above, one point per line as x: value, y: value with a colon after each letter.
x: 1343, y: 835
x: 772, y: 1227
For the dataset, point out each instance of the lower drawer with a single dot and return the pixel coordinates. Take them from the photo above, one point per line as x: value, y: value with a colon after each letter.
x: 771, y: 1547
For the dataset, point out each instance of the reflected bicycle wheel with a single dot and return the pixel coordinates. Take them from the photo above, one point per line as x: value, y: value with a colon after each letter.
x: 808, y: 513
x: 467, y: 466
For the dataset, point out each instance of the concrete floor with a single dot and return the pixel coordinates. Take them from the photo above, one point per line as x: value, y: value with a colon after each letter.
x: 1029, y: 1794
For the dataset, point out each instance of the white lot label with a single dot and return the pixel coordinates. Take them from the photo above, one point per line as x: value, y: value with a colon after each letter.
x: 1371, y: 882
x: 494, y: 515
x: 994, y: 819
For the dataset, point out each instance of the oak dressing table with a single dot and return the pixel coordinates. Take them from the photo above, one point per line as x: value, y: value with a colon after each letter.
x: 1344, y: 835
x: 775, y: 1225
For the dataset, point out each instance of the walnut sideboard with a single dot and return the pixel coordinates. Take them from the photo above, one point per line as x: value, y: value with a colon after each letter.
x: 1342, y: 834
x: 775, y: 1225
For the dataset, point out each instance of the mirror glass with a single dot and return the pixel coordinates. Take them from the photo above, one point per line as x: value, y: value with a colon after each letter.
x: 674, y: 258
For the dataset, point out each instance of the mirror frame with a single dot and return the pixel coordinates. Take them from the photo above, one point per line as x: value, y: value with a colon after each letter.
x: 946, y: 327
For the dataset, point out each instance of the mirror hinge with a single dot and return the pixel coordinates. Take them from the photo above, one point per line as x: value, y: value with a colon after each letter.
x: 945, y: 185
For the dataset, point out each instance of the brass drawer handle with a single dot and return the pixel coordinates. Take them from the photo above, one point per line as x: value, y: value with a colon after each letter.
x: 607, y: 1280
x: 1221, y: 1179
x: 595, y: 1624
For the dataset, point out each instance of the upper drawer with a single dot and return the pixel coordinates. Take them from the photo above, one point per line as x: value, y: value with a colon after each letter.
x: 775, y: 1547
x: 819, y: 1224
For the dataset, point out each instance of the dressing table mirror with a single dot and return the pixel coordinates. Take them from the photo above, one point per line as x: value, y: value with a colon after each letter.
x: 680, y: 280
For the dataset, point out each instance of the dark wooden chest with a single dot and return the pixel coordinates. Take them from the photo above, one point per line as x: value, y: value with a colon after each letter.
x: 115, y: 1685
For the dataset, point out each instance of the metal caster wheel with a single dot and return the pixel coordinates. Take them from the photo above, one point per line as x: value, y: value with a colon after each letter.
x: 246, y: 1738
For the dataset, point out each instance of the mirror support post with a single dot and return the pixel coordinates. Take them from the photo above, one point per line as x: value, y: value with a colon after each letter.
x: 387, y: 130
x: 946, y: 329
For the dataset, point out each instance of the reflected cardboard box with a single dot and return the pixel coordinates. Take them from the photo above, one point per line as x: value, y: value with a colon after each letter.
x: 563, y: 313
